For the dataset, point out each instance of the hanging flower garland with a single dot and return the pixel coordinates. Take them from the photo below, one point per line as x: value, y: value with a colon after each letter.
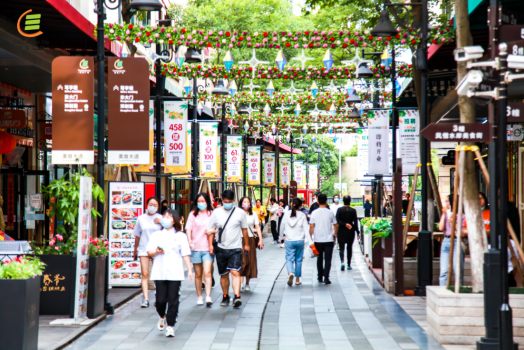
x: 296, y: 128
x: 298, y: 121
x: 267, y: 39
x: 278, y: 98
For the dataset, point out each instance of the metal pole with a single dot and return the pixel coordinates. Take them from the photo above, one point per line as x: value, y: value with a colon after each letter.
x: 245, y: 165
x: 223, y: 147
x: 194, y: 136
x: 292, y: 159
x: 158, y: 132
x: 340, y: 171
x: 277, y: 145
x: 394, y: 112
x: 261, y: 166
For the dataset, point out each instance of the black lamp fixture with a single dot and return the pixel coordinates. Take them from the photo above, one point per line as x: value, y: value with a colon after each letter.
x: 304, y: 144
x: 363, y: 71
x: 318, y: 150
x: 146, y: 5
x: 243, y: 109
x: 353, y: 98
x: 384, y: 26
x: 328, y: 155
x: 193, y: 55
x: 354, y: 113
x: 220, y: 89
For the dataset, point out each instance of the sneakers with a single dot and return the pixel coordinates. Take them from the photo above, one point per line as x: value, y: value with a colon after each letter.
x: 298, y: 282
x: 290, y: 279
x: 327, y: 281
x: 342, y: 267
x: 282, y: 245
x: 145, y: 303
x: 200, y: 300
x: 161, y: 323
x: 321, y: 279
x: 170, y: 332
x: 225, y: 300
x: 247, y: 288
x: 350, y: 268
x: 274, y: 242
x: 237, y: 302
x: 209, y: 301
x: 242, y: 289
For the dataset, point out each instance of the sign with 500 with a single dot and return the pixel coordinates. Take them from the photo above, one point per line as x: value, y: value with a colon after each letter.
x: 253, y: 161
x: 175, y: 128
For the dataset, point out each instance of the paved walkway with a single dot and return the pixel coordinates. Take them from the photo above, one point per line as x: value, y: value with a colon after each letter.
x: 352, y: 313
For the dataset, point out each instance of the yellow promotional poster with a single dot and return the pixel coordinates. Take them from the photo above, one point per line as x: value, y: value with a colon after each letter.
x: 174, y: 169
x: 285, y: 170
x: 269, y: 169
x: 209, y: 165
x: 299, y: 175
x: 253, y: 162
x: 175, y: 138
x: 234, y: 158
x: 313, y: 176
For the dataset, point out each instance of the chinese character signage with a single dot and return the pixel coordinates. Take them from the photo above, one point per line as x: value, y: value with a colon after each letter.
x: 208, y: 150
x: 73, y: 119
x: 82, y: 248
x: 125, y: 206
x: 151, y: 127
x: 253, y: 161
x: 128, y: 107
x: 175, y: 139
x: 285, y: 171
x: 515, y: 112
x: 269, y: 169
x: 409, y: 149
x: 299, y: 174
x: 362, y: 153
x: 313, y: 176
x: 378, y: 142
x: 449, y: 132
x: 234, y: 156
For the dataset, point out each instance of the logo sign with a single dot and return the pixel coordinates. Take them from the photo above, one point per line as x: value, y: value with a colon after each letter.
x: 73, y: 82
x: 458, y: 132
x: 128, y: 125
x: 12, y: 119
x: 31, y: 23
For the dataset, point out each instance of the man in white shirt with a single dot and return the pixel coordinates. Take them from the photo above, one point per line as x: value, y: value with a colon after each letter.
x: 229, y: 249
x: 336, y: 204
x: 323, y: 231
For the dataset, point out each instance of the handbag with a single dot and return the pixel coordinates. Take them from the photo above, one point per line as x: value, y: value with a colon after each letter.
x: 220, y: 231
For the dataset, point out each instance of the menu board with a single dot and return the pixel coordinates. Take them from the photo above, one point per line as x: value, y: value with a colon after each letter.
x: 126, y: 205
x: 253, y: 161
x: 269, y: 169
x: 82, y: 248
x: 234, y: 156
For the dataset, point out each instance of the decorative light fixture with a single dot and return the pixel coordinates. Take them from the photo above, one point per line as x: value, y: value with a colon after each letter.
x: 220, y: 89
x: 187, y: 87
x: 288, y: 137
x: 354, y: 113
x: 267, y: 136
x: 385, y: 59
x: 363, y: 71
x: 228, y: 61
x: 353, y: 97
x: 384, y: 26
x: 243, y: 109
x: 280, y: 60
x: 146, y: 5
x: 330, y: 129
x: 304, y: 144
x: 193, y: 56
x: 200, y: 108
x: 267, y: 110
x: 246, y: 126
x: 333, y: 110
x: 328, y: 155
x: 318, y: 150
x: 304, y: 129
x: 335, y: 138
x: 233, y: 109
x: 297, y: 110
x: 314, y: 138
x: 270, y: 88
x: 328, y: 60
x: 274, y: 129
x: 314, y: 89
x: 180, y: 58
x: 232, y: 88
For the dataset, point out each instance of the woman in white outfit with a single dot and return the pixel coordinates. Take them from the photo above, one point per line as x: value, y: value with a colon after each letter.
x: 146, y: 224
x: 296, y: 228
x: 170, y: 249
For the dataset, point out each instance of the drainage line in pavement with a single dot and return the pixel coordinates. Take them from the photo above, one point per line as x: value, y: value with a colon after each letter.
x: 265, y: 307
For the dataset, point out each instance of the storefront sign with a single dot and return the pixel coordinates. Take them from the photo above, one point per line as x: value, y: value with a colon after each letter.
x: 458, y: 132
x: 409, y: 140
x: 48, y: 132
x: 313, y: 176
x: 253, y: 161
x: 378, y: 142
x: 73, y: 105
x: 234, y: 156
x: 269, y: 169
x: 515, y: 112
x: 125, y: 206
x: 12, y: 119
x: 299, y: 174
x: 285, y: 169
x: 175, y: 139
x: 128, y: 96
x: 208, y: 150
x: 82, y: 248
x: 36, y: 202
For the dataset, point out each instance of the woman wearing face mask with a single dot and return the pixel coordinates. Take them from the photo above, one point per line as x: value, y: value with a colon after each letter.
x: 146, y: 224
x: 249, y: 260
x: 201, y: 245
x: 170, y: 249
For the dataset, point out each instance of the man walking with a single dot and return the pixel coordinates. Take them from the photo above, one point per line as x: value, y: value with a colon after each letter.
x: 229, y: 224
x: 323, y: 231
x: 336, y: 204
x: 273, y: 209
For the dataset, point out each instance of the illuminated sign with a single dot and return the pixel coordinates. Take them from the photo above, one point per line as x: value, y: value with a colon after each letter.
x: 32, y: 22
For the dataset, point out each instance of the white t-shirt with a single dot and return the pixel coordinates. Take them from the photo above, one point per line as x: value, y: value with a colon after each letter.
x: 170, y: 265
x: 145, y: 226
x: 324, y: 220
x: 252, y: 220
x: 232, y: 235
x: 334, y: 207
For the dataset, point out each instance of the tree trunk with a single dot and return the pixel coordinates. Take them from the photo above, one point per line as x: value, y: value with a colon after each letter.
x: 476, y: 232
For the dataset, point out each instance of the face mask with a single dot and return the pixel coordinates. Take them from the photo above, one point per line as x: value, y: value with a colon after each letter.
x: 314, y: 200
x: 336, y: 200
x: 202, y: 206
x: 152, y: 210
x: 228, y: 206
x: 246, y: 206
x: 166, y: 223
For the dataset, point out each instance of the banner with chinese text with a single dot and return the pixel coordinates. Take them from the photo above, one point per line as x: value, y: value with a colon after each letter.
x: 269, y: 169
x: 362, y: 153
x: 285, y: 170
x: 313, y: 176
x: 253, y: 161
x: 378, y: 142
x: 175, y: 137
x: 409, y: 132
x: 208, y: 150
x: 299, y: 175
x: 234, y: 158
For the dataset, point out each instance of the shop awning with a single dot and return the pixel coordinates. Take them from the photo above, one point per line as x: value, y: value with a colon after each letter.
x: 283, y: 148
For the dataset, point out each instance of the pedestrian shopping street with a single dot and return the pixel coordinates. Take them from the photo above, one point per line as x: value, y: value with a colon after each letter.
x: 353, y: 312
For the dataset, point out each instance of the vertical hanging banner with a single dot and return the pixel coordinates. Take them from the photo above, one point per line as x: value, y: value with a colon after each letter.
x: 378, y: 142
x: 234, y: 158
x: 313, y: 176
x: 82, y: 248
x: 128, y: 101
x: 185, y: 170
x: 269, y: 169
x: 253, y: 161
x: 149, y: 167
x: 73, y: 82
x: 285, y: 169
x: 208, y: 150
x: 362, y: 153
x: 409, y: 140
x: 175, y: 136
x: 299, y: 174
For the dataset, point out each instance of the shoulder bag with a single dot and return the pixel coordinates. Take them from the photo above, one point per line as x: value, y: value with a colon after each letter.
x: 220, y: 231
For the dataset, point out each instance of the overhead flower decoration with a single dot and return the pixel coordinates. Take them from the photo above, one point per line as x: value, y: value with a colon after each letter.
x: 278, y: 98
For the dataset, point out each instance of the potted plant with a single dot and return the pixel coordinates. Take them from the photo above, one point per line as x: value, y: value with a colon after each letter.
x: 59, y: 253
x: 380, y: 229
x: 19, y: 302
x: 98, y: 250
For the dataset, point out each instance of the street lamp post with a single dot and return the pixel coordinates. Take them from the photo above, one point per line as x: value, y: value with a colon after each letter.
x: 221, y: 90
x: 305, y: 146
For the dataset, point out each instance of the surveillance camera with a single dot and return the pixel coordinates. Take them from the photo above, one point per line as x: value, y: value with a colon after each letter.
x: 468, y: 53
x: 515, y: 62
x: 469, y: 82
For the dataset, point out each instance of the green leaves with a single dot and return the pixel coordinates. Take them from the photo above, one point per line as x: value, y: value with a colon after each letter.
x: 21, y: 268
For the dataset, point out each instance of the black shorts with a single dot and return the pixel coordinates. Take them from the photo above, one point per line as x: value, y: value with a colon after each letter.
x: 228, y: 259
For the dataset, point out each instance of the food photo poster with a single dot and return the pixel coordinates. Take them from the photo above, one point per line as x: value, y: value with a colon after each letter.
x: 125, y: 206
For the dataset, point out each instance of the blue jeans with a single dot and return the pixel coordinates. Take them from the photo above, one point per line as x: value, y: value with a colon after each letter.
x: 294, y: 254
x: 444, y: 260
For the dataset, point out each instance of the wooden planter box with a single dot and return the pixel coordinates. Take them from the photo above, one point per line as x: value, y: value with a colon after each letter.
x: 459, y: 318
x: 96, y: 286
x: 376, y: 254
x: 19, y: 302
x: 387, y: 247
x: 58, y: 285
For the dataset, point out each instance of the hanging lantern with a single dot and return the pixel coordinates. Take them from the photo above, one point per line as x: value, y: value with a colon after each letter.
x: 233, y: 88
x: 335, y: 139
x: 304, y: 129
x: 187, y: 87
x: 233, y: 110
x: 246, y: 126
x: 314, y: 89
x: 330, y: 129
x: 180, y: 57
x: 274, y: 129
x: 281, y: 60
x: 297, y: 110
x: 7, y: 142
x: 270, y: 88
x: 288, y: 137
x: 267, y: 109
x: 200, y: 108
x: 314, y: 139
x: 349, y: 88
x: 333, y: 110
x: 267, y: 136
x: 328, y: 60
x: 228, y: 61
